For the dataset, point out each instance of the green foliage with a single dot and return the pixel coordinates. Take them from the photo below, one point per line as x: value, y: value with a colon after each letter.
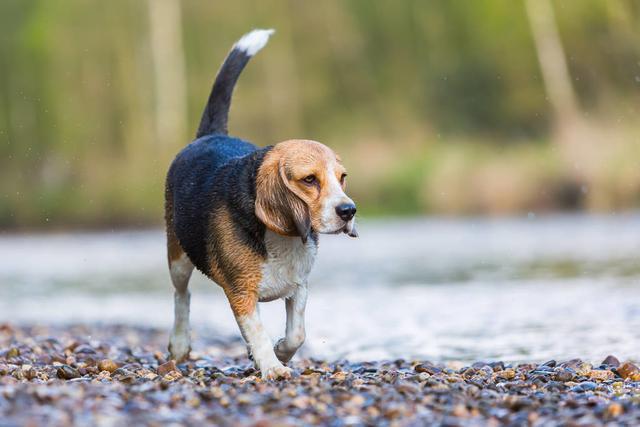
x: 79, y: 140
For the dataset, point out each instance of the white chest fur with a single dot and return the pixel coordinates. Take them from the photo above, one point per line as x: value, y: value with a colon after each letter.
x: 288, y: 265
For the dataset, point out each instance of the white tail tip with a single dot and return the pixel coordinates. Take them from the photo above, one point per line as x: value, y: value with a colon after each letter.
x: 253, y: 41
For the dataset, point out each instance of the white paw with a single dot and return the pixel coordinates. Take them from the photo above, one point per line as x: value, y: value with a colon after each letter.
x: 179, y: 347
x: 276, y: 372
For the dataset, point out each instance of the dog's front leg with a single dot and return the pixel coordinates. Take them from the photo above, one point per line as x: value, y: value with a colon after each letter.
x: 259, y: 343
x: 294, y: 334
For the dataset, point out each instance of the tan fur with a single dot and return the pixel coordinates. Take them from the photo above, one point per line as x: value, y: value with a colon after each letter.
x: 174, y: 250
x: 234, y: 266
x: 276, y: 205
x: 280, y: 188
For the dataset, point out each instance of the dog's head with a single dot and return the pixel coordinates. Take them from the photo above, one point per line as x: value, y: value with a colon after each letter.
x: 300, y: 188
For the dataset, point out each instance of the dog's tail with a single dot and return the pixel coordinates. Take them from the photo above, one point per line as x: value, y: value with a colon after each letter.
x: 216, y: 113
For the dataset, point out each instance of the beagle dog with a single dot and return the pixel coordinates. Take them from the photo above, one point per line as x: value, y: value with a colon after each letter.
x: 249, y: 219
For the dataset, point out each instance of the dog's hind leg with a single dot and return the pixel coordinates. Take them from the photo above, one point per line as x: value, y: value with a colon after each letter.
x: 180, y: 267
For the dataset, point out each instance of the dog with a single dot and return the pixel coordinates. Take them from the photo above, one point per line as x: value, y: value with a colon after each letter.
x: 249, y: 219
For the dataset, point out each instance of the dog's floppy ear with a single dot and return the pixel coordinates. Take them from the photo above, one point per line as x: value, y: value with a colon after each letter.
x: 277, y: 205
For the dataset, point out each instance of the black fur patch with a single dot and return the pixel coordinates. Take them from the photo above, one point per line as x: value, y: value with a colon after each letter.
x: 213, y: 172
x: 216, y: 113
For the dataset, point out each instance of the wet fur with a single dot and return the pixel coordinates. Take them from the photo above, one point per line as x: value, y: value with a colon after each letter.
x: 246, y: 218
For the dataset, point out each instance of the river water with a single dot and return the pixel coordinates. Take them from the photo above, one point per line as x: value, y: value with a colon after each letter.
x: 531, y: 288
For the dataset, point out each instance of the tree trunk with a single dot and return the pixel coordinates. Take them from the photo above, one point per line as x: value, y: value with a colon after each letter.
x: 165, y: 24
x: 553, y: 64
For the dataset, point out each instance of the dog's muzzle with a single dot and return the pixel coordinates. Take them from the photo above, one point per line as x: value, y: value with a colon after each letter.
x: 347, y: 212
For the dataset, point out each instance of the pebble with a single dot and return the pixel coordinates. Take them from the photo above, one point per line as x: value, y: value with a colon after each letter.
x: 615, y: 409
x: 601, y: 375
x: 171, y: 376
x: 166, y: 368
x: 564, y: 374
x: 584, y: 369
x: 55, y: 376
x: 67, y: 372
x: 427, y: 368
x: 629, y: 370
x: 107, y: 365
x: 507, y: 374
x: 611, y: 360
x: 12, y: 352
x: 584, y: 386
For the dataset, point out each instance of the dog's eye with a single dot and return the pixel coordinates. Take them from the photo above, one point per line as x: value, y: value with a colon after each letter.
x: 309, y: 179
x: 342, y: 178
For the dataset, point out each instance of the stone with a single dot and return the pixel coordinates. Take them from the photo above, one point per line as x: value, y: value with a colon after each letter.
x: 507, y: 374
x: 611, y: 360
x: 601, y: 375
x: 550, y: 363
x: 615, y: 410
x: 67, y: 372
x: 460, y: 411
x: 428, y: 368
x: 588, y: 386
x: 107, y: 365
x: 329, y: 393
x: 84, y: 349
x: 165, y: 368
x: 28, y: 371
x: 171, y: 376
x: 339, y: 376
x: 584, y: 369
x: 629, y: 371
x: 564, y: 374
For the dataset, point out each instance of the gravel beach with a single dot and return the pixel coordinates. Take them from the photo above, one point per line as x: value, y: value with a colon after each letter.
x: 117, y: 375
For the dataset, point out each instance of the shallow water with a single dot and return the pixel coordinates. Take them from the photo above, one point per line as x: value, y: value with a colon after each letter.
x: 513, y: 289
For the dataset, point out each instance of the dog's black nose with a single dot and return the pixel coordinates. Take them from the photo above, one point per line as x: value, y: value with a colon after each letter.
x: 346, y: 211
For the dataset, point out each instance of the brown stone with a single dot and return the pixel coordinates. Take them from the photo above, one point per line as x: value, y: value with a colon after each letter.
x: 611, y: 360
x: 172, y: 376
x: 339, y: 376
x: 628, y: 370
x: 615, y: 410
x: 601, y: 375
x: 507, y: 374
x: 107, y: 365
x: 584, y: 369
x: 460, y: 411
x: 165, y: 368
x: 67, y: 372
x: 428, y: 368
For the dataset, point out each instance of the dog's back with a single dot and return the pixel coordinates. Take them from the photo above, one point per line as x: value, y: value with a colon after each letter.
x: 197, y: 176
x: 195, y: 185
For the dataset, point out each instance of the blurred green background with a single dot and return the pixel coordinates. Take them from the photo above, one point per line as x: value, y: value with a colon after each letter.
x: 448, y: 107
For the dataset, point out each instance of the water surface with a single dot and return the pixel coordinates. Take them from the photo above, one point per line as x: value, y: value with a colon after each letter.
x: 532, y: 288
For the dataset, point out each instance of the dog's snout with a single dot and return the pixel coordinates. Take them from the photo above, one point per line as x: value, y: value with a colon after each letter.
x: 346, y: 211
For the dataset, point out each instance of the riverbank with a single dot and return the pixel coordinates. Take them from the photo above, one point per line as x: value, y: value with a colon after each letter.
x: 112, y: 375
x: 466, y: 290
